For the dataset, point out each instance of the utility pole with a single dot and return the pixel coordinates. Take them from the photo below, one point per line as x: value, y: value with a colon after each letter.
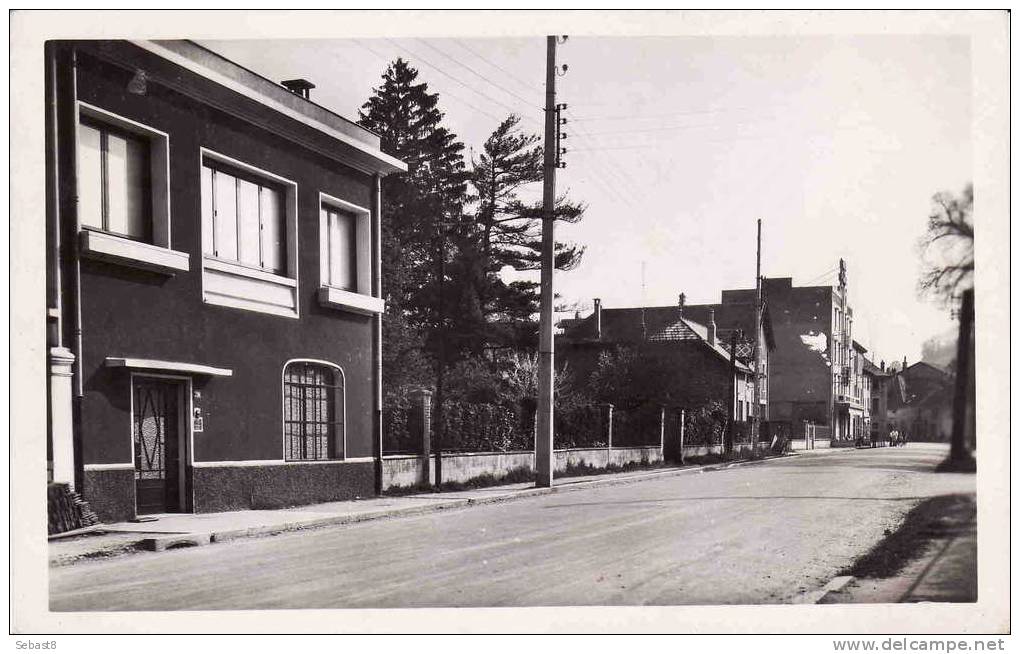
x: 544, y: 420
x: 958, y: 453
x: 439, y: 421
x: 756, y: 420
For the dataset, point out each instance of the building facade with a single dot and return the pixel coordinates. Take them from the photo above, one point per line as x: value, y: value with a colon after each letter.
x: 815, y: 371
x: 213, y: 284
x: 878, y: 381
x: 857, y: 394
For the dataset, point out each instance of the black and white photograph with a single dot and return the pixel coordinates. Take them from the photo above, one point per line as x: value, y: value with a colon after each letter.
x: 577, y: 311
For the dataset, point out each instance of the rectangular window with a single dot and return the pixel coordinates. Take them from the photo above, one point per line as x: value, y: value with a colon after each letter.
x: 243, y: 219
x: 114, y: 184
x: 342, y: 248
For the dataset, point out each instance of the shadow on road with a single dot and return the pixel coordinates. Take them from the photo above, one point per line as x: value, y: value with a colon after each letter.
x: 913, y: 465
x: 932, y: 519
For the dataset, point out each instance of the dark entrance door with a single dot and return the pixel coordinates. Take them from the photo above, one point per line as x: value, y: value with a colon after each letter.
x: 157, y: 445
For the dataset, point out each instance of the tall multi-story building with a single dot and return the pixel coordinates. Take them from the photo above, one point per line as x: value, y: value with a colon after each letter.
x: 815, y: 372
x: 213, y: 284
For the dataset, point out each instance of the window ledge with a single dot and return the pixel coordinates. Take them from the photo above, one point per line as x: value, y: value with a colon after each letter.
x: 348, y: 301
x: 232, y: 285
x: 117, y: 249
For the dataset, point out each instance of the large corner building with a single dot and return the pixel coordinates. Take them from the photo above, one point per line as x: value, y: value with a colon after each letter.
x: 213, y: 284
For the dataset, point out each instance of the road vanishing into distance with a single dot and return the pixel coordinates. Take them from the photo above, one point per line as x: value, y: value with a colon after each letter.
x: 756, y: 534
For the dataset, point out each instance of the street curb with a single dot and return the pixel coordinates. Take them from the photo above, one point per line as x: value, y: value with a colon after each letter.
x: 817, y: 596
x: 193, y: 539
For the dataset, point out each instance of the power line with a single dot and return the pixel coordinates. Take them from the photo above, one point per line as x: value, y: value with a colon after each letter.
x: 615, y: 171
x: 821, y: 277
x: 701, y: 112
x: 619, y: 178
x: 610, y: 172
x: 528, y: 85
x: 445, y: 93
x: 668, y: 128
x: 458, y: 81
x: 745, y: 137
x: 485, y: 79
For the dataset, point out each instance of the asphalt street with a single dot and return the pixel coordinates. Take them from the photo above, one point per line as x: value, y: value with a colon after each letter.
x: 758, y: 534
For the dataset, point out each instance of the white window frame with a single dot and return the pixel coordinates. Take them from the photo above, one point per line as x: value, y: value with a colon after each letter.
x: 283, y: 413
x: 155, y: 256
x: 232, y: 284
x: 361, y: 301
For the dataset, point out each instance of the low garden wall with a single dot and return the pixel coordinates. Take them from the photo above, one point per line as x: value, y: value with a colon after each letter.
x: 702, y: 450
x: 799, y: 444
x: 407, y: 469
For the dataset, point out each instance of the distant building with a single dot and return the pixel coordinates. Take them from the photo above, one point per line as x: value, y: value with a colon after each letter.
x: 697, y: 348
x: 815, y: 372
x: 920, y: 402
x: 878, y: 382
x: 213, y: 291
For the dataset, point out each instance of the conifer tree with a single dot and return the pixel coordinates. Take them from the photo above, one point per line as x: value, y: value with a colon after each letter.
x: 415, y: 205
x: 508, y: 230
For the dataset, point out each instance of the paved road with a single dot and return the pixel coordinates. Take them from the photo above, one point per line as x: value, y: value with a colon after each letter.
x: 756, y: 534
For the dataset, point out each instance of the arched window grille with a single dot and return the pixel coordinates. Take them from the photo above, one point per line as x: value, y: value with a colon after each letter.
x: 313, y: 411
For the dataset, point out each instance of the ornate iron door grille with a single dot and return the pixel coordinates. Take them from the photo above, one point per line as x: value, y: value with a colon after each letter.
x: 313, y: 425
x: 156, y: 448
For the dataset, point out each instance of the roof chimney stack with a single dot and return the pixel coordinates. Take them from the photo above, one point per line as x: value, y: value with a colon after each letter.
x: 711, y: 327
x: 300, y: 87
x: 598, y: 318
x: 904, y: 363
x: 681, y: 301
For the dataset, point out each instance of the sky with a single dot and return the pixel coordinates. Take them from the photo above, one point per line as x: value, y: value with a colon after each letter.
x: 678, y: 145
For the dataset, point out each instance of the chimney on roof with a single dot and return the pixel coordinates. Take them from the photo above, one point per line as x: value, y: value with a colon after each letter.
x: 681, y: 301
x: 300, y: 87
x: 598, y: 318
x: 711, y: 327
x: 904, y: 363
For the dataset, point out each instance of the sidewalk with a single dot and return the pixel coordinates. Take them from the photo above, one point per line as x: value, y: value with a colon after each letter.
x: 187, y: 529
x: 944, y: 571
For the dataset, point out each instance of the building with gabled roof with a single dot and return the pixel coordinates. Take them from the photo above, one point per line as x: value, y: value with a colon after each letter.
x: 701, y: 368
x: 920, y: 399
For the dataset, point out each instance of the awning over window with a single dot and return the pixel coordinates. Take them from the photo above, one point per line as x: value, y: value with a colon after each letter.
x: 167, y: 366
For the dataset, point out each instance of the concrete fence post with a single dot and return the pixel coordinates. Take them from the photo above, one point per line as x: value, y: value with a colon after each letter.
x: 423, y: 405
x: 609, y: 425
x: 609, y: 433
x: 662, y: 432
x: 683, y: 426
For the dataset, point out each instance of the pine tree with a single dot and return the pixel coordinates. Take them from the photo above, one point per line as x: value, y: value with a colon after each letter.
x: 415, y: 205
x: 508, y: 231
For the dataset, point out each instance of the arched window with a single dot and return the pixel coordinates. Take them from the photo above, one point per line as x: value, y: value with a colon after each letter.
x: 313, y: 411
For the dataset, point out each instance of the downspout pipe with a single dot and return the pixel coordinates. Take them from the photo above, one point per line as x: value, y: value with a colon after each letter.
x: 64, y: 306
x: 377, y: 333
x: 72, y: 227
x: 54, y: 337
